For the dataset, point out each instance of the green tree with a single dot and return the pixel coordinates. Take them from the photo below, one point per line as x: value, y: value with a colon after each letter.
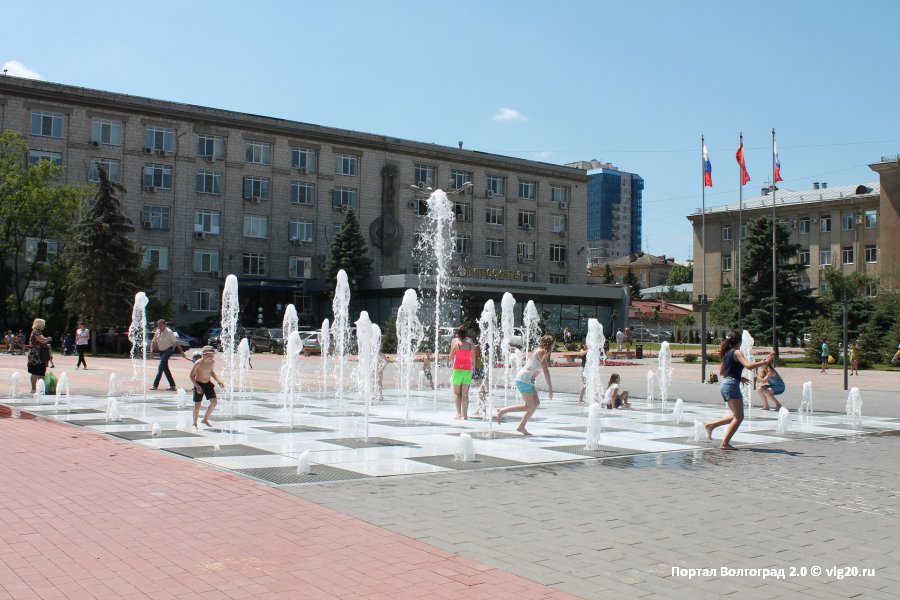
x: 36, y: 216
x: 879, y: 337
x: 608, y: 277
x: 349, y: 252
x: 105, y: 268
x: 794, y: 305
x: 859, y: 306
x: 631, y: 279
x: 820, y: 330
x: 723, y: 311
x: 680, y: 274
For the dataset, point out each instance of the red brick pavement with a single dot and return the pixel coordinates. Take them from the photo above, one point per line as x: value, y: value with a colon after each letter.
x: 86, y: 516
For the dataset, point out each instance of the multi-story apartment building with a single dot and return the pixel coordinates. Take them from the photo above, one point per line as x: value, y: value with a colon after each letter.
x: 834, y: 226
x: 614, y: 201
x: 214, y: 192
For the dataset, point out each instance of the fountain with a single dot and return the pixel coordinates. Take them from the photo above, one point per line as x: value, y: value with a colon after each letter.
x: 62, y: 384
x: 40, y: 390
x: 489, y: 339
x: 112, y: 410
x: 698, y: 433
x: 507, y: 323
x: 228, y: 337
x: 303, y: 466
x: 409, y: 335
x: 592, y: 437
x: 340, y: 330
x: 156, y: 430
x: 181, y: 398
x: 290, y: 374
x: 664, y: 373
x: 747, y: 342
x: 368, y: 356
x: 531, y: 319
x: 806, y: 399
x: 784, y: 421
x: 325, y: 343
x: 113, y: 385
x: 854, y: 407
x: 594, y: 343
x: 288, y: 326
x: 243, y: 366
x: 651, y: 385
x: 14, y: 382
x: 137, y: 333
x: 678, y: 413
x: 465, y: 448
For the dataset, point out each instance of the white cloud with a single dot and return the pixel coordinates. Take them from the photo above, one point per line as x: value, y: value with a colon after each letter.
x: 543, y: 154
x: 509, y: 114
x: 17, y: 69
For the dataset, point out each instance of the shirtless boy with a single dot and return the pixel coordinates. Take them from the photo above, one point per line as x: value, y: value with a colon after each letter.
x: 200, y: 377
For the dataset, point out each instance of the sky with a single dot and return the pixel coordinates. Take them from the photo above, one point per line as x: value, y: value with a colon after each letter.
x: 634, y: 82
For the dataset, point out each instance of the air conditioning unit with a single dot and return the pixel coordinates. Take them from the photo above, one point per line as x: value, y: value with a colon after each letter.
x: 214, y: 274
x: 859, y: 219
x: 148, y: 224
x: 489, y: 193
x: 815, y: 220
x: 95, y: 144
x: 420, y: 185
x: 254, y: 200
x: 345, y: 208
x: 161, y: 152
x: 295, y: 242
x: 149, y: 188
x: 148, y: 150
x: 200, y: 235
x: 413, y: 204
x: 563, y: 204
x: 210, y: 158
x: 563, y: 233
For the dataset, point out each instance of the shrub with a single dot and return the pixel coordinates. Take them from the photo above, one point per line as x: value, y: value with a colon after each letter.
x: 690, y: 358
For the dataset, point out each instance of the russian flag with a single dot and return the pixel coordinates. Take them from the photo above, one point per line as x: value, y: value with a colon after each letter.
x: 777, y: 163
x: 707, y: 169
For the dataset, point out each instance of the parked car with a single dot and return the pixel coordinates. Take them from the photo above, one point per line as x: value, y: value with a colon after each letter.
x: 214, y: 334
x: 312, y: 343
x: 643, y: 333
x: 268, y: 339
x: 187, y: 341
x: 215, y: 338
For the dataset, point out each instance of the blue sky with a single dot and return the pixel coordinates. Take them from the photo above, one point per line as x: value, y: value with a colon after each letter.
x: 634, y: 83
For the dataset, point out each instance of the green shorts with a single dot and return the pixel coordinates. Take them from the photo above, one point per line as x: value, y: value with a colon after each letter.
x: 461, y: 377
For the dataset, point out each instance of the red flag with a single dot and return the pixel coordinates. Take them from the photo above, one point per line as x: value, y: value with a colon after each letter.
x: 745, y: 176
x: 707, y: 169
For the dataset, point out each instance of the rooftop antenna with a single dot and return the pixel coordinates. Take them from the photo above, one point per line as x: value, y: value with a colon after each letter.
x: 460, y: 142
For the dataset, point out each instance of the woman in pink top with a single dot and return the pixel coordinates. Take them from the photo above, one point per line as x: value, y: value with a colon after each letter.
x: 462, y: 357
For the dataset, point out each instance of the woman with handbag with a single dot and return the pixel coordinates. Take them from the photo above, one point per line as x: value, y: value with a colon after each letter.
x: 39, y: 354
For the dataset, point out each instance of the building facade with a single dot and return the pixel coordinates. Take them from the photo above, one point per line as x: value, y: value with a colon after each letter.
x: 214, y: 192
x: 835, y: 227
x: 650, y: 270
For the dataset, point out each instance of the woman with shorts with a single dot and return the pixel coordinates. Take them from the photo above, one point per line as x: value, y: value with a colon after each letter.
x: 462, y: 357
x: 772, y: 385
x: 538, y: 362
x: 733, y: 365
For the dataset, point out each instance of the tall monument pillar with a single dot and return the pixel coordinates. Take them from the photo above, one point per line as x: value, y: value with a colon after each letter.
x: 888, y: 170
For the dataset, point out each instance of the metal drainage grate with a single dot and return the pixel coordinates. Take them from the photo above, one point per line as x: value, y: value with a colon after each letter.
x: 481, y: 461
x: 583, y: 429
x: 294, y: 429
x: 792, y: 435
x: 211, y: 452
x: 337, y: 413
x: 146, y: 435
x: 486, y: 435
x: 668, y: 423
x: 601, y: 452
x: 373, y: 442
x: 224, y: 416
x: 93, y: 422
x: 289, y: 475
x: 686, y: 440
x: 406, y: 424
x: 176, y: 409
x: 74, y: 411
x: 270, y: 404
x: 855, y: 428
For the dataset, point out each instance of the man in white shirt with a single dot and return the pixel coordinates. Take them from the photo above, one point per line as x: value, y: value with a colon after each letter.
x: 82, y: 338
x: 165, y: 342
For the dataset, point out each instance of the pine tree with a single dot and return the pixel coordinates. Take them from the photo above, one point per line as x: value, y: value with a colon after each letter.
x: 106, y: 264
x: 608, y: 277
x: 794, y: 305
x: 632, y: 280
x: 349, y: 252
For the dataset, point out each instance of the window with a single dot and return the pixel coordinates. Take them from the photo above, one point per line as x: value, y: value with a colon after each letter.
x: 459, y: 178
x: 336, y: 228
x: 559, y: 193
x: 254, y: 264
x: 35, y: 156
x: 112, y: 166
x: 558, y: 279
x: 496, y: 185
x: 463, y: 211
x: 871, y: 219
x: 106, y: 132
x: 48, y: 124
x: 493, y: 247
x: 557, y: 253
x: 256, y: 187
x: 346, y: 164
x: 303, y: 303
x: 207, y: 221
x: 525, y: 250
x: 871, y: 289
x: 804, y: 224
x: 157, y: 256
x: 803, y: 257
x: 726, y: 263
x: 824, y: 258
x: 420, y: 205
x: 745, y: 231
x: 160, y: 140
x: 303, y: 193
x: 299, y: 267
x: 209, y: 182
x: 493, y: 215
x: 825, y: 223
x: 871, y: 254
x: 206, y: 261
x: 726, y: 232
x: 846, y: 221
x: 527, y: 189
x: 462, y: 244
x: 847, y: 255
x: 157, y: 176
x: 424, y: 175
x: 155, y: 217
x: 38, y: 250
x: 205, y: 300
x: 528, y: 276
x: 557, y: 223
x: 258, y: 153
x: 211, y: 146
x: 527, y: 219
x: 303, y: 159
x: 344, y: 196
x: 301, y: 230
x: 256, y: 226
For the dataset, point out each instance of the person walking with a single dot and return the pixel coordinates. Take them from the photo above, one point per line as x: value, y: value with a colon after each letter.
x: 39, y: 354
x: 82, y: 338
x: 854, y: 359
x: 620, y: 337
x: 462, y: 357
x: 165, y: 342
x: 730, y: 371
x: 538, y: 362
x: 825, y: 355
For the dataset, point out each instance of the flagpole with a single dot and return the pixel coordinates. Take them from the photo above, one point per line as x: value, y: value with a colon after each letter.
x: 703, y: 254
x: 774, y: 248
x: 740, y: 236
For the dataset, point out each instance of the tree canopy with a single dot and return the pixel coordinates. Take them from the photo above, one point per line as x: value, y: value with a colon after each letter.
x: 350, y: 252
x: 631, y: 279
x: 680, y: 274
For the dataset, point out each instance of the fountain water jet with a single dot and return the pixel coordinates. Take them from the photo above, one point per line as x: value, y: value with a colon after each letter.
x: 592, y: 437
x: 303, y: 466
x: 465, y: 448
x: 507, y: 323
x: 678, y: 412
x: 14, y: 383
x: 664, y: 373
x: 243, y: 367
x: 368, y: 356
x: 854, y: 407
x: 156, y: 430
x: 290, y: 373
x: 747, y: 342
x: 230, y: 311
x: 137, y: 333
x: 531, y: 319
x: 112, y: 410
x: 784, y: 420
x: 651, y: 386
x: 325, y: 346
x: 62, y: 384
x: 340, y: 330
x: 698, y: 433
x: 594, y: 343
x: 489, y: 340
x: 40, y: 390
x: 181, y: 398
x: 409, y: 335
x: 806, y: 399
x: 113, y: 385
